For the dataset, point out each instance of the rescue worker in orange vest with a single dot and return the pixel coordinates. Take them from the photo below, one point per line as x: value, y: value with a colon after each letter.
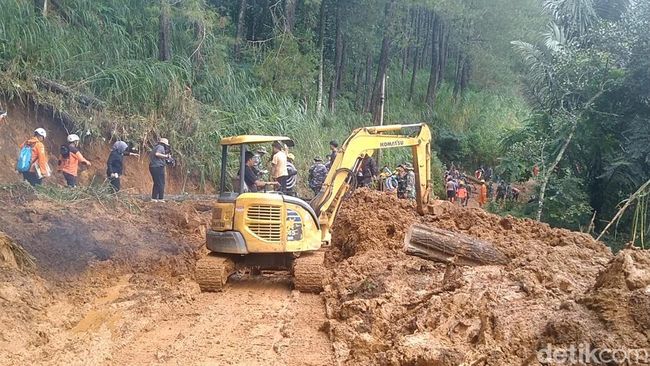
x: 38, y: 167
x: 482, y: 196
x: 462, y: 195
x: 70, y: 159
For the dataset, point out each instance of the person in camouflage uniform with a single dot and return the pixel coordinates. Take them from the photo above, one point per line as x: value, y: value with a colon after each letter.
x: 317, y: 174
x: 258, y: 165
x: 410, y: 181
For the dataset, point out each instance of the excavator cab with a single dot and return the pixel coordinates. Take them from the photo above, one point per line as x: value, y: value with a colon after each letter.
x: 263, y: 229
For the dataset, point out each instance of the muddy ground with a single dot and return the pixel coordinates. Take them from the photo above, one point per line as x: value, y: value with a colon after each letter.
x: 559, y: 288
x: 113, y: 285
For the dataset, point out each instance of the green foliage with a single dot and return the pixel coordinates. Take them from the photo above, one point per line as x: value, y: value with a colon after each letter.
x: 109, y: 50
x: 590, y: 72
x: 567, y: 203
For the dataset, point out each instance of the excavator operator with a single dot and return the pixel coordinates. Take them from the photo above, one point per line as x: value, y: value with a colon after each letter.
x: 253, y: 183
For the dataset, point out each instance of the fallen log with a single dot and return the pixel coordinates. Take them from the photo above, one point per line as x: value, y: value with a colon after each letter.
x: 83, y: 99
x: 450, y: 247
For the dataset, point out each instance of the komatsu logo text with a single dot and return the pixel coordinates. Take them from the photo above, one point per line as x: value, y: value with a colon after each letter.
x: 391, y: 143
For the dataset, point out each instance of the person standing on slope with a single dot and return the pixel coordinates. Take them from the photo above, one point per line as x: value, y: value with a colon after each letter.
x: 70, y: 159
x: 115, y: 164
x: 482, y: 195
x: 32, y: 160
x: 462, y: 194
x: 157, y: 162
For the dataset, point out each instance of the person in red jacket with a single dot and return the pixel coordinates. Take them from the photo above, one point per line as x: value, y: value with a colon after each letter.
x: 70, y: 159
x: 39, y: 168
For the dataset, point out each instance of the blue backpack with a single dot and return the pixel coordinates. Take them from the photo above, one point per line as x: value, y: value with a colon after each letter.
x: 24, y: 159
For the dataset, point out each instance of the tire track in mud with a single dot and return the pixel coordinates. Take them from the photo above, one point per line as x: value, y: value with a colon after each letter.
x: 255, y: 321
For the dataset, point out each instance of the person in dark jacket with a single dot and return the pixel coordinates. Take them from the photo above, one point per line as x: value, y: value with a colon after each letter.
x: 334, y: 147
x: 157, y: 162
x: 115, y: 163
x: 367, y: 172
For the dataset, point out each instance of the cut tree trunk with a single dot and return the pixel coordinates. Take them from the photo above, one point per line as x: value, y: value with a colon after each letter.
x: 450, y: 247
x: 83, y: 99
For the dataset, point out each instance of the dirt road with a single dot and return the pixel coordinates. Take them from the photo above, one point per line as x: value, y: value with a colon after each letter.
x: 141, y: 320
x: 112, y: 288
x: 254, y: 322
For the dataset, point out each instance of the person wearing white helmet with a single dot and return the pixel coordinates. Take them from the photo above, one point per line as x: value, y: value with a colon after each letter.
x: 70, y: 159
x: 115, y: 163
x: 159, y: 158
x: 32, y: 159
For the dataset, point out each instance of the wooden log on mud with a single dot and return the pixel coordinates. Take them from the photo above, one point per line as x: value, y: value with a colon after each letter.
x: 83, y: 99
x: 449, y: 247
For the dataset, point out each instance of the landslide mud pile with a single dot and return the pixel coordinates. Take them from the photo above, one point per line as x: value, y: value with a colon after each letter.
x: 559, y: 288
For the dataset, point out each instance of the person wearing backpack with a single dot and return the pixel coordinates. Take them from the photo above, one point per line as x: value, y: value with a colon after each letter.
x: 70, y: 159
x: 32, y: 159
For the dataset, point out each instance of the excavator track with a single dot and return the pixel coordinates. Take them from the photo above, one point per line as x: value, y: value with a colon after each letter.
x: 212, y: 272
x: 309, y: 272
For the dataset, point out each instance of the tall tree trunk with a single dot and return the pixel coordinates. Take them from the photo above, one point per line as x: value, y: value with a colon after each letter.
x: 165, y: 32
x: 442, y: 52
x: 239, y: 36
x: 460, y: 64
x: 338, y: 60
x: 367, y: 87
x: 465, y: 75
x: 408, y: 30
x: 197, y: 56
x: 427, y: 37
x: 289, y: 15
x: 358, y: 93
x: 415, y: 53
x: 384, y: 61
x: 321, y: 66
x: 341, y: 74
x: 433, y: 75
x: 414, y: 73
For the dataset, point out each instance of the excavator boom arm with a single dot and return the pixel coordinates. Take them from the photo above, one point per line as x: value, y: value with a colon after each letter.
x: 365, y: 141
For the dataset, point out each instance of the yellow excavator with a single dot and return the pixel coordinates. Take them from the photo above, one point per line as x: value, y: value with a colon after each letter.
x: 269, y: 230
